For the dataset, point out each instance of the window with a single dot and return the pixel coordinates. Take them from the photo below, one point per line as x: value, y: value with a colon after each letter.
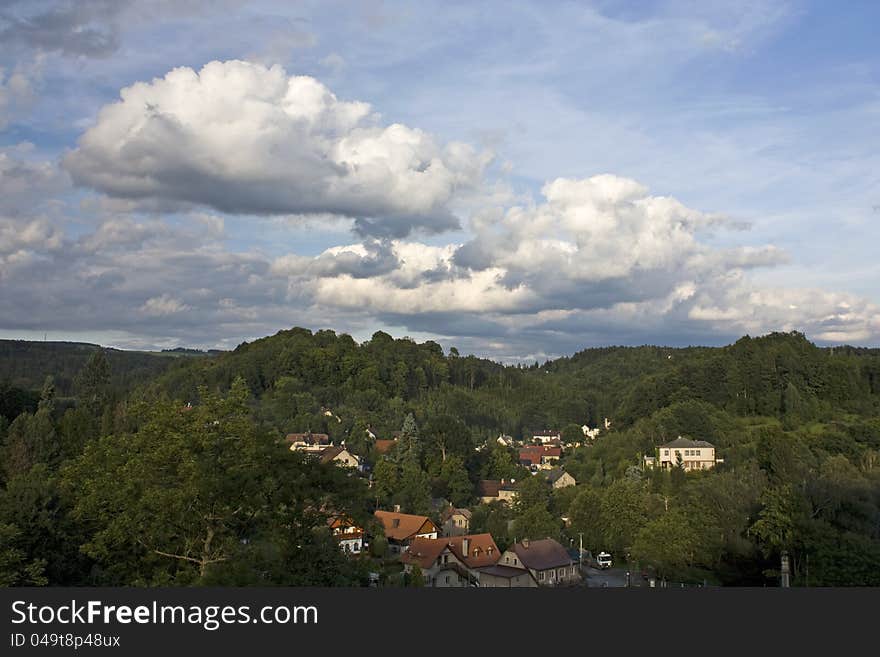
x: 696, y: 452
x: 541, y: 576
x: 561, y: 573
x: 447, y: 579
x: 665, y: 452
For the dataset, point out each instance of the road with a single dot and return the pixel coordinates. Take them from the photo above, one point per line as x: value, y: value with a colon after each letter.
x: 611, y: 578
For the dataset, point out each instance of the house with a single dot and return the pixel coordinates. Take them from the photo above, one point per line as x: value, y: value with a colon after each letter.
x: 499, y: 576
x: 559, y: 478
x: 451, y: 561
x: 307, y: 442
x: 506, y: 441
x: 692, y: 454
x: 402, y: 528
x: 546, y: 560
x: 456, y: 522
x: 547, y: 436
x: 340, y: 456
x: 347, y: 532
x: 494, y: 490
x: 539, y: 457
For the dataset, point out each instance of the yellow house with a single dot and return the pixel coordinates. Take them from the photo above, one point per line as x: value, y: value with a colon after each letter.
x: 692, y: 454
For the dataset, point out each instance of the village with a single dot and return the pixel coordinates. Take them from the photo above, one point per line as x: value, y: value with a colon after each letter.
x: 439, y: 549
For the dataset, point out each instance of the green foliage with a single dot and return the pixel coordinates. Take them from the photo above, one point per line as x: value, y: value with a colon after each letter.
x: 123, y: 486
x: 536, y: 522
x: 202, y: 495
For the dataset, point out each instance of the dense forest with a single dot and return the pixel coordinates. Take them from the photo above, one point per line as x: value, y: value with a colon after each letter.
x: 145, y: 469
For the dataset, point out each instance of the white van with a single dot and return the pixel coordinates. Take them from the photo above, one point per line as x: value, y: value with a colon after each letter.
x: 603, y: 560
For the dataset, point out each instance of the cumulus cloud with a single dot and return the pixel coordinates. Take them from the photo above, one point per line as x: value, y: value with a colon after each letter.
x: 593, y: 243
x: 598, y: 255
x: 244, y: 138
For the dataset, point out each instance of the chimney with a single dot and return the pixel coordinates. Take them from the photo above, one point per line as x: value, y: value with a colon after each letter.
x: 502, y: 481
x: 465, y: 544
x: 396, y: 508
x: 525, y: 543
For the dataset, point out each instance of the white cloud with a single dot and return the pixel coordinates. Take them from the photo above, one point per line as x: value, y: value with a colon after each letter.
x: 163, y: 305
x: 244, y: 138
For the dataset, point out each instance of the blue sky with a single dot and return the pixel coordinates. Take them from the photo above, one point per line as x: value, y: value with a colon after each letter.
x: 517, y: 179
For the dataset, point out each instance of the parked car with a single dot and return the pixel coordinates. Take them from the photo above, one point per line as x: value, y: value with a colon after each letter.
x: 603, y: 560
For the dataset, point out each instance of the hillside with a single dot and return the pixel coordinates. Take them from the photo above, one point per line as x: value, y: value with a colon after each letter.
x: 797, y: 428
x: 25, y: 364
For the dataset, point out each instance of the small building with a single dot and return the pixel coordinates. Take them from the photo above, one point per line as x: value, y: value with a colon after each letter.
x: 451, y: 561
x: 307, y: 442
x: 547, y: 436
x: 546, y: 560
x: 508, y: 577
x: 456, y: 522
x: 559, y: 478
x: 497, y: 490
x: 690, y: 454
x: 401, y: 529
x: 539, y: 457
x: 506, y: 441
x: 340, y: 456
x: 349, y: 535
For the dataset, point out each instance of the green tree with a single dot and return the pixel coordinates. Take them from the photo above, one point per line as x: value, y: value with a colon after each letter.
x: 668, y: 542
x: 416, y: 577
x: 386, y: 479
x: 536, y: 522
x: 454, y: 474
x: 572, y: 433
x: 623, y: 512
x: 409, y: 445
x: 585, y: 516
x: 15, y: 567
x: 204, y: 496
x: 92, y: 384
x: 413, y: 492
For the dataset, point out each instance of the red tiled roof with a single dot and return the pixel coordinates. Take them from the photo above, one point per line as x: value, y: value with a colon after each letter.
x: 383, y: 445
x: 490, y: 487
x: 406, y: 525
x: 424, y: 551
x: 535, y: 453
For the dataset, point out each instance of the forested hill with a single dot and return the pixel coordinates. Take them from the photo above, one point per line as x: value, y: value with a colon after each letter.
x: 171, y: 470
x: 296, y: 374
x: 25, y: 364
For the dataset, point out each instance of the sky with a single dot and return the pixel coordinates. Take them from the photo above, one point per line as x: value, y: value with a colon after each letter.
x: 519, y: 180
